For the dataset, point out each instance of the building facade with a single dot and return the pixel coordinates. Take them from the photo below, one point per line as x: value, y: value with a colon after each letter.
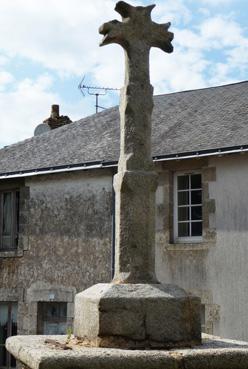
x: 57, y: 213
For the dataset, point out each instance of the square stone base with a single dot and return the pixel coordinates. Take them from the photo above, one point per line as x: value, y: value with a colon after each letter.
x: 137, y: 316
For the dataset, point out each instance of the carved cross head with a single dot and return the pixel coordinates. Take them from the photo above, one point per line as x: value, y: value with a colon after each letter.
x: 136, y: 28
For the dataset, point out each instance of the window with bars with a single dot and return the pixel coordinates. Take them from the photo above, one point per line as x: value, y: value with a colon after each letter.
x: 188, y: 207
x: 9, y: 220
x: 8, y: 327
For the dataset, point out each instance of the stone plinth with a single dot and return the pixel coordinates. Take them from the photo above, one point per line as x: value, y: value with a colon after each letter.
x: 137, y: 316
x: 214, y: 353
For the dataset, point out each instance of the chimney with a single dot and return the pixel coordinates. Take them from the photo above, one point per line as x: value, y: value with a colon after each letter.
x: 55, y: 111
x: 55, y: 120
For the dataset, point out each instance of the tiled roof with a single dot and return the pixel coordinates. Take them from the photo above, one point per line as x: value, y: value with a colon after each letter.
x: 197, y: 120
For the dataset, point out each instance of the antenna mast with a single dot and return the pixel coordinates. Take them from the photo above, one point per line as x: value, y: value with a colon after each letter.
x: 96, y: 91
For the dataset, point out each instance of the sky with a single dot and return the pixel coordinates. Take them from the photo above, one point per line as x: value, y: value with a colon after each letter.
x: 48, y: 46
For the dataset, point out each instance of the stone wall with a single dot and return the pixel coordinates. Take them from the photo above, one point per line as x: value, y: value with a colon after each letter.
x: 65, y: 237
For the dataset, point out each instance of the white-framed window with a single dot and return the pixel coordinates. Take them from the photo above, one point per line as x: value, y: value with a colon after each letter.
x: 188, y: 207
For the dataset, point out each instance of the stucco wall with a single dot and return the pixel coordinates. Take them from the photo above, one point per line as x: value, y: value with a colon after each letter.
x: 217, y: 268
x: 228, y: 261
x: 67, y: 243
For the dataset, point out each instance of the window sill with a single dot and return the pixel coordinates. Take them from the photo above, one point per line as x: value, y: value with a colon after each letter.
x: 193, y: 246
x: 11, y: 253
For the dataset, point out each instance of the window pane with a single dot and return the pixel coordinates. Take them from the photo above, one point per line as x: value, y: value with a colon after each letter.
x: 51, y: 310
x: 183, y: 182
x: 52, y: 317
x: 55, y: 328
x: 5, y: 328
x: 63, y: 310
x: 55, y: 309
x: 203, y: 320
x: 13, y: 330
x: 7, y: 214
x: 196, y: 213
x: 183, y: 213
x: 14, y: 319
x: 183, y: 229
x: 17, y: 206
x: 196, y: 197
x: 3, y: 333
x: 183, y: 198
x: 6, y: 242
x: 196, y: 229
x: 196, y: 181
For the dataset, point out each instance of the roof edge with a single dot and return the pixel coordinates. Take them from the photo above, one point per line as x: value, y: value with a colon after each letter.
x: 112, y: 164
x: 203, y: 88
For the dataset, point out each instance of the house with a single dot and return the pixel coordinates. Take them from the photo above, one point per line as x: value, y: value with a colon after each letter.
x: 57, y: 212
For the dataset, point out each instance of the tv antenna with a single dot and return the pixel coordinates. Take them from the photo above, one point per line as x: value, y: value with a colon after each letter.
x: 96, y: 91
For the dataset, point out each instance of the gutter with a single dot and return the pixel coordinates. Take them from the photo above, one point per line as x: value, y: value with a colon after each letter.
x: 58, y: 169
x: 113, y: 164
x: 203, y: 153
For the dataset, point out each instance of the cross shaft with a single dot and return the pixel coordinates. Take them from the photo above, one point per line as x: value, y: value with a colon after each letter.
x: 136, y: 181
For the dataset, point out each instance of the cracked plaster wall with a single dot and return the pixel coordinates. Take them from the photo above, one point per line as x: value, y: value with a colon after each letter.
x: 67, y: 246
x: 216, y: 269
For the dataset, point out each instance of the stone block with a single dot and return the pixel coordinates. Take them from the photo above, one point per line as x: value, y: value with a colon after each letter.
x: 137, y: 316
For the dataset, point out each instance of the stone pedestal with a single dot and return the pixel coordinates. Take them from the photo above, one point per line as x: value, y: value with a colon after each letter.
x: 214, y: 353
x: 137, y: 316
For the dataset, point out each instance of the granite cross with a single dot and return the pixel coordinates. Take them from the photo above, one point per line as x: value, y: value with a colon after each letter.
x: 136, y: 180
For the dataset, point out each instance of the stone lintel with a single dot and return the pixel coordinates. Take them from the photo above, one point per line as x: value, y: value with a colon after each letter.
x: 214, y: 353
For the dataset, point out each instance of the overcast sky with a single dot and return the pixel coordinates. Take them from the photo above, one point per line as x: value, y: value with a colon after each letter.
x: 47, y: 46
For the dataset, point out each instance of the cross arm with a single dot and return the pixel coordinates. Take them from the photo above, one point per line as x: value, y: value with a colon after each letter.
x: 160, y: 37
x: 136, y: 28
x: 112, y: 32
x: 128, y: 11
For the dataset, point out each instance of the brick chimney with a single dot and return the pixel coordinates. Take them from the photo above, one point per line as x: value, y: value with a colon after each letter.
x: 55, y: 120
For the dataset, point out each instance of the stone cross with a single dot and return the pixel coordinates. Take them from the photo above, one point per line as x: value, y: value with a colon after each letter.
x: 134, y: 310
x: 136, y: 181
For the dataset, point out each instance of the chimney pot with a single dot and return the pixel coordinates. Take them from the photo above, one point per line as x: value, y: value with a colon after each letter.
x: 55, y: 111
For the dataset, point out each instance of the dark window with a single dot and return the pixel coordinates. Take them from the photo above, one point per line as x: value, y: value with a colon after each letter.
x: 9, y: 220
x: 203, y: 318
x: 52, y: 318
x: 8, y: 327
x: 189, y: 205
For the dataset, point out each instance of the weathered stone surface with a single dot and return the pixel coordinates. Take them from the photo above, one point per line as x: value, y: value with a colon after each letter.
x: 135, y: 182
x: 215, y: 353
x: 137, y: 315
x: 135, y: 214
